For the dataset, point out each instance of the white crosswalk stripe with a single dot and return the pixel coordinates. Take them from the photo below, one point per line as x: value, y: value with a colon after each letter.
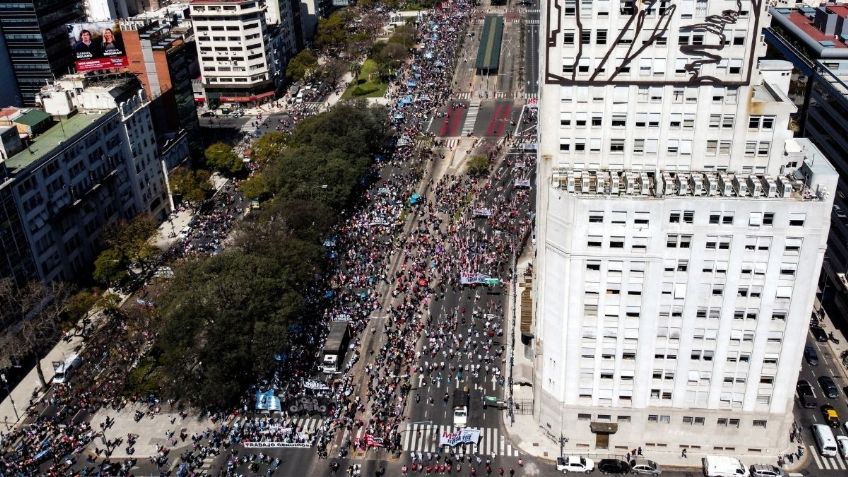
x: 463, y: 95
x: 450, y: 143
x: 470, y: 119
x: 827, y: 463
x: 425, y: 438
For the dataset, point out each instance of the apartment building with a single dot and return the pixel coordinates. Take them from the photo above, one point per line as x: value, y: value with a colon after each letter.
x: 680, y: 231
x: 815, y: 40
x: 234, y: 50
x: 93, y: 166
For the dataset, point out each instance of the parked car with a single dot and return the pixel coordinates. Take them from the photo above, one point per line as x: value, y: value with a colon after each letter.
x: 810, y: 355
x: 645, y: 467
x: 831, y: 417
x: 829, y: 387
x: 613, y: 466
x: 765, y: 470
x: 574, y: 463
x: 819, y: 334
x: 842, y: 444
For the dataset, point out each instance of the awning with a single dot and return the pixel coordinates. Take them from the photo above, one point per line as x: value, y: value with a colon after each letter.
x: 603, y: 427
x: 199, y: 100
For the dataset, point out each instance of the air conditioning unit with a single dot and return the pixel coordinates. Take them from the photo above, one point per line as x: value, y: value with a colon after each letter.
x: 670, y: 187
x: 725, y: 186
x: 647, y: 187
x: 755, y: 185
x: 602, y: 185
x: 697, y: 184
x: 770, y: 186
x: 711, y: 181
x: 740, y: 187
x: 682, y: 182
x: 784, y: 187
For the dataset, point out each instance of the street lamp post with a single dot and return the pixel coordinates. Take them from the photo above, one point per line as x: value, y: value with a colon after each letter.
x: 15, y: 409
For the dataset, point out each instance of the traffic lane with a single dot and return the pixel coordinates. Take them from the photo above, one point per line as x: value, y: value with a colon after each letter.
x: 828, y: 365
x: 293, y: 462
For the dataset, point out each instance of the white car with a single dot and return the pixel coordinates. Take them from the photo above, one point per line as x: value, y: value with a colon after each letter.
x: 842, y: 444
x: 574, y: 463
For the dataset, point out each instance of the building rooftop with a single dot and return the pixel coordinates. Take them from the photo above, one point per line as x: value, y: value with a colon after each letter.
x: 814, y: 178
x: 824, y: 30
x: 33, y: 117
x: 50, y: 139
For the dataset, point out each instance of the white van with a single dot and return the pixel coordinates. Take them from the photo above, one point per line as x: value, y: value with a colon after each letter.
x: 824, y: 440
x: 724, y: 466
x: 64, y: 369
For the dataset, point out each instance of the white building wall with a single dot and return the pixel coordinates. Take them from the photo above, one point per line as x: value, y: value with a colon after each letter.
x: 231, y: 43
x: 684, y: 364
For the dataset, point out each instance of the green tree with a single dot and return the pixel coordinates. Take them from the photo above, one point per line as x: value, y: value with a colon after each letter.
x: 301, y: 65
x: 269, y: 146
x: 192, y: 185
x: 222, y: 158
x: 110, y: 267
x: 331, y: 32
x: 254, y: 187
x: 478, y: 165
x: 79, y: 304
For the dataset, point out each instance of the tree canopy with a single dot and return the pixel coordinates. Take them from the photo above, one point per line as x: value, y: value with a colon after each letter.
x: 331, y: 32
x: 301, y: 65
x: 223, y: 158
x: 227, y: 315
x: 192, y: 185
x: 127, y: 247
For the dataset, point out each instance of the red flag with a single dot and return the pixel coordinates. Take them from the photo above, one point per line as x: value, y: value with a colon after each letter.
x: 372, y: 441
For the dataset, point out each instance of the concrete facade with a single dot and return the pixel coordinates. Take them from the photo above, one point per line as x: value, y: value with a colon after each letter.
x: 680, y: 231
x: 234, y: 49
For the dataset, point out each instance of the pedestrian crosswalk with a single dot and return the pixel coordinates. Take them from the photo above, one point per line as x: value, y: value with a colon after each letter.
x: 533, y: 21
x: 450, y: 143
x: 827, y: 463
x: 301, y: 423
x: 500, y: 94
x: 463, y: 95
x: 470, y: 119
x: 531, y: 95
x: 425, y: 438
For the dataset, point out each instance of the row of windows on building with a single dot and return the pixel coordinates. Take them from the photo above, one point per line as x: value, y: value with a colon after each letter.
x: 755, y: 219
x: 652, y: 120
x: 649, y: 94
x: 646, y: 66
x: 673, y: 147
x: 601, y: 36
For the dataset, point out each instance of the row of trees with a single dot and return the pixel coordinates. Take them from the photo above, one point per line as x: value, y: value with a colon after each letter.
x: 226, y: 316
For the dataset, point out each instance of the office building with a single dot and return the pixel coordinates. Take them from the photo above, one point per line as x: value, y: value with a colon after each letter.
x: 163, y: 56
x: 815, y: 40
x: 679, y: 232
x: 234, y: 50
x: 37, y: 44
x: 93, y: 165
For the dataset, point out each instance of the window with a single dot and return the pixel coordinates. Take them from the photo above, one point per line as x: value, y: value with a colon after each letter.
x: 760, y: 423
x: 688, y: 216
x: 617, y: 145
x: 768, y: 218
x: 584, y: 417
x: 619, y: 120
x: 568, y: 37
x: 585, y: 37
x: 674, y: 218
x: 796, y: 219
x: 596, y: 217
x: 601, y: 37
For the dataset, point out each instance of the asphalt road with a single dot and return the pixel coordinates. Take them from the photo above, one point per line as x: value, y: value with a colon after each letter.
x: 828, y: 365
x: 531, y: 48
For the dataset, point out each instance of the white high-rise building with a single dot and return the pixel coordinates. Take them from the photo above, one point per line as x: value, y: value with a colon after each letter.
x: 680, y: 230
x: 233, y: 49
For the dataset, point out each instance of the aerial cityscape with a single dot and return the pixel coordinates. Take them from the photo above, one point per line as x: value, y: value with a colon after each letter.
x: 423, y: 237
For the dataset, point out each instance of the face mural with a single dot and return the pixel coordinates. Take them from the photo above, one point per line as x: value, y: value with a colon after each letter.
x: 686, y: 46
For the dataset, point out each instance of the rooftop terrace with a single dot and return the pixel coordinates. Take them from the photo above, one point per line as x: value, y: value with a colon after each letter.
x: 60, y: 132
